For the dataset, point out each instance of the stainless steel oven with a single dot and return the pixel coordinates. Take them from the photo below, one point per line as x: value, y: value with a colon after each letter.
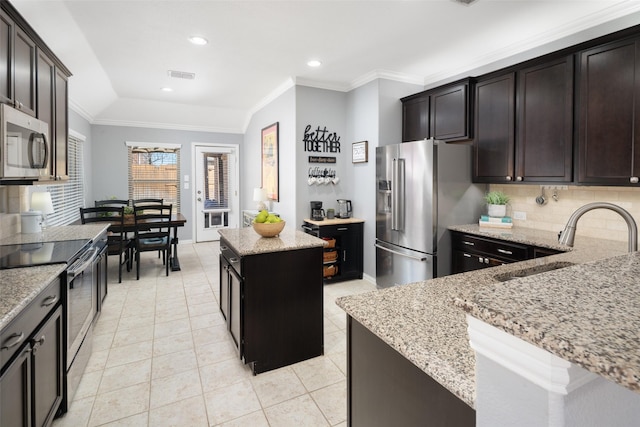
x: 82, y: 285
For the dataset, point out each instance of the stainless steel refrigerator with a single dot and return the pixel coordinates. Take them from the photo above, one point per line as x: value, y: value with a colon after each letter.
x: 422, y: 187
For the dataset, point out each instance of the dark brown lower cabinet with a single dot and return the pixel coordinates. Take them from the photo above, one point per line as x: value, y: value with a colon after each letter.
x: 273, y: 304
x: 31, y: 385
x: 385, y: 389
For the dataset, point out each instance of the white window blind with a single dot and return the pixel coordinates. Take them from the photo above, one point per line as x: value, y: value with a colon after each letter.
x: 154, y: 173
x: 68, y: 198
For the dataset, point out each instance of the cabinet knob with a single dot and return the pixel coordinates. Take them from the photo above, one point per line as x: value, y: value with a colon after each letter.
x: 518, y: 178
x: 507, y: 178
x: 633, y: 180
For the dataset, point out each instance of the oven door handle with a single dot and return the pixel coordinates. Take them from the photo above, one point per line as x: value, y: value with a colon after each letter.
x: 74, y: 270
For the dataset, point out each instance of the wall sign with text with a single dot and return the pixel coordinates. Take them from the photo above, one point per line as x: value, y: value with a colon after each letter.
x: 320, y: 140
x: 360, y: 152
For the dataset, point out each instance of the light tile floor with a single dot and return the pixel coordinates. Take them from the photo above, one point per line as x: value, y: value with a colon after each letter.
x: 162, y: 357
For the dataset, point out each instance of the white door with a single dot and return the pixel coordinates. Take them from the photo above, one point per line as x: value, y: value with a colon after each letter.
x: 216, y: 190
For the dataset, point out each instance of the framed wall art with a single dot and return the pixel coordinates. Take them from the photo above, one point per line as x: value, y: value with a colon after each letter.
x: 270, y: 176
x: 360, y: 152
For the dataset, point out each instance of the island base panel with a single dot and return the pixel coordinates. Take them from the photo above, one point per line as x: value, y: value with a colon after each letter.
x: 385, y: 389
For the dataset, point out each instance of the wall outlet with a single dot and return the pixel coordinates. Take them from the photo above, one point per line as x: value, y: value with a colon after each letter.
x: 520, y: 215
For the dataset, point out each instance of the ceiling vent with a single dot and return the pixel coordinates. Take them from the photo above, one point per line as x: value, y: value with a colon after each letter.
x: 181, y: 75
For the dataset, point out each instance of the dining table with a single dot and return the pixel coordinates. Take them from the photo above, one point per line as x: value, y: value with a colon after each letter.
x: 177, y: 220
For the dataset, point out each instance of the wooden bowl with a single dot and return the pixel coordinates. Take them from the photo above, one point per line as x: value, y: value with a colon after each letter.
x: 268, y: 229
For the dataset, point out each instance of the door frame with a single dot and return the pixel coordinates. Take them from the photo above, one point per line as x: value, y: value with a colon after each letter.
x: 194, y: 203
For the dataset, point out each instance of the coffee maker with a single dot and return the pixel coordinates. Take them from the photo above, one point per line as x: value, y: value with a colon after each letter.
x: 317, y: 213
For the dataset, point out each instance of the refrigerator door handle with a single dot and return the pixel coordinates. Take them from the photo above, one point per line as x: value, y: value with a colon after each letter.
x: 421, y: 259
x: 397, y: 195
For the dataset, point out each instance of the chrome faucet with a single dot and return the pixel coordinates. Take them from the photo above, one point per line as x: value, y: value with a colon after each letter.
x: 567, y: 235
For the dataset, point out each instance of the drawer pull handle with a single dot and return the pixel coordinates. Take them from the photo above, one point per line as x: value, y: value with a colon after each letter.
x: 504, y: 251
x: 50, y: 300
x: 480, y: 260
x: 342, y: 228
x: 467, y: 255
x: 468, y: 243
x: 234, y: 259
x: 13, y: 341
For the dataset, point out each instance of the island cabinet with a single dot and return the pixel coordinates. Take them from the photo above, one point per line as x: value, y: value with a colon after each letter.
x: 524, y: 125
x: 609, y: 114
x: 471, y: 252
x: 31, y: 356
x: 385, y: 389
x: 271, y: 296
x: 443, y: 113
x: 343, y: 253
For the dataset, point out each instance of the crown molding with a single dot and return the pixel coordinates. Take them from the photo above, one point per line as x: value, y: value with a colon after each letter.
x: 169, y: 126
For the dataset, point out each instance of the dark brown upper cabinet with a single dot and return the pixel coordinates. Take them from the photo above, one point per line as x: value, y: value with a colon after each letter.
x: 544, y: 105
x: 493, y: 147
x: 17, y: 66
x: 24, y: 73
x: 609, y: 114
x: 6, y: 58
x: 415, y: 117
x: 524, y: 125
x: 443, y: 113
x: 450, y: 118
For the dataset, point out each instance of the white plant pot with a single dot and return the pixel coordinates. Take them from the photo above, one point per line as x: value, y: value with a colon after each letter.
x: 497, y: 210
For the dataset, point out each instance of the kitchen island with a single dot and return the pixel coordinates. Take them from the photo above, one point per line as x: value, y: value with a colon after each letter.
x: 271, y: 296
x: 421, y: 322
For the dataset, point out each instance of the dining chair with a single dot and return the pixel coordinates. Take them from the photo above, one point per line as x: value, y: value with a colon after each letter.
x: 152, y: 232
x: 111, y: 202
x: 138, y: 202
x: 148, y: 202
x: 117, y: 241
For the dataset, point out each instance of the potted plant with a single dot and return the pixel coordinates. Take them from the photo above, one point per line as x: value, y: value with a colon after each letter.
x: 496, y: 203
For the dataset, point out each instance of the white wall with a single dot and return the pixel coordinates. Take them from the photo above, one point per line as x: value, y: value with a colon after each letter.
x: 283, y: 111
x: 323, y: 108
x: 108, y: 166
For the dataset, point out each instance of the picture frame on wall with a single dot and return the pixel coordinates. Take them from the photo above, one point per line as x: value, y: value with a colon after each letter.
x: 270, y: 163
x: 360, y: 152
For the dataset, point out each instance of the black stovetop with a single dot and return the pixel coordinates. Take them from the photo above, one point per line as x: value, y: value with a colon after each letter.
x: 41, y: 253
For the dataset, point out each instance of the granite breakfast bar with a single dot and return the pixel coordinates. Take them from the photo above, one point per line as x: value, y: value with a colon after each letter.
x: 422, y: 323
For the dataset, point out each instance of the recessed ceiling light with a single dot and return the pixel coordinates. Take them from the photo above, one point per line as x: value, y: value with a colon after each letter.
x: 314, y: 63
x: 167, y: 89
x: 200, y: 41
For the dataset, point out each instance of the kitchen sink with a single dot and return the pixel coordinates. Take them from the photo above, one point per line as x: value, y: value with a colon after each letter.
x: 530, y: 271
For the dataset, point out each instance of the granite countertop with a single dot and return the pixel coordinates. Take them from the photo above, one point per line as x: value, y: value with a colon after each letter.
x: 57, y: 234
x: 20, y: 286
x: 422, y: 323
x: 586, y: 314
x: 245, y: 241
x: 334, y: 221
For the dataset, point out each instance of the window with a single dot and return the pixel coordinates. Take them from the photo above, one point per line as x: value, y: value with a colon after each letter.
x: 68, y: 198
x: 154, y: 172
x: 216, y: 180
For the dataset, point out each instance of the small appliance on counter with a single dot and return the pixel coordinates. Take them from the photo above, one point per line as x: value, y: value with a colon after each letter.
x: 344, y: 209
x: 317, y: 213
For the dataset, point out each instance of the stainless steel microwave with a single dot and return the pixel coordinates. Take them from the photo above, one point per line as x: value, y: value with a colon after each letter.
x: 25, y: 148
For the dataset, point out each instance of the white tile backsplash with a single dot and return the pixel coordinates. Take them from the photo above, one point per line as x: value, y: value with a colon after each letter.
x: 553, y: 216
